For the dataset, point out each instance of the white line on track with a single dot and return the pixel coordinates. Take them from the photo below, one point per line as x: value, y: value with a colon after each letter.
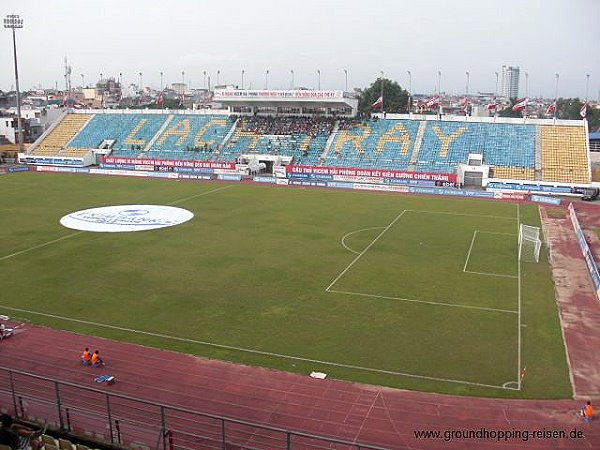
x: 253, y: 351
x: 427, y: 302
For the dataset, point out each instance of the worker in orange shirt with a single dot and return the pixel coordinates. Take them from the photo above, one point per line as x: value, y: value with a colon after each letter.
x: 86, y: 357
x: 96, y: 360
x: 587, y: 412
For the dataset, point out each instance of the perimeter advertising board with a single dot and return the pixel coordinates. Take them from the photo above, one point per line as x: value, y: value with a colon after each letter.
x: 169, y: 163
x: 293, y: 171
x: 585, y: 249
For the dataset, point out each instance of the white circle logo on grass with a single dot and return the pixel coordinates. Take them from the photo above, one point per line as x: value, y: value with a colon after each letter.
x: 126, y: 218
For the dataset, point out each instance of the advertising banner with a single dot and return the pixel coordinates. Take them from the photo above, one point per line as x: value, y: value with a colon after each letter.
x: 118, y: 166
x: 585, y: 249
x: 544, y: 199
x: 19, y: 169
x: 529, y: 188
x: 373, y: 173
x: 453, y: 192
x: 189, y: 176
x: 169, y: 162
x: 510, y: 196
x: 271, y: 180
x: 380, y: 187
x: 227, y: 177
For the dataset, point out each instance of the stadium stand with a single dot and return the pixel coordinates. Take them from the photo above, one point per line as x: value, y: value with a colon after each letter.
x: 187, y: 136
x: 383, y: 144
x: 302, y: 138
x: 509, y: 148
x: 564, y: 154
x: 128, y: 131
x: 60, y: 136
x: 519, y: 151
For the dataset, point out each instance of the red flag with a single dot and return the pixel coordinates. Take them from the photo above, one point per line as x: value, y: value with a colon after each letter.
x: 583, y: 111
x: 464, y: 103
x: 433, y: 102
x: 551, y: 108
x: 520, y: 104
x: 378, y: 103
x: 492, y: 105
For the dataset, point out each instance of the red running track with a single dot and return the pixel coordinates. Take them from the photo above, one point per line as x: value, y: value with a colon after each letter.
x: 369, y: 414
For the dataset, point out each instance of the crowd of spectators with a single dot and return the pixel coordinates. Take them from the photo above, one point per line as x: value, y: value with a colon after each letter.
x: 348, y: 124
x: 266, y: 125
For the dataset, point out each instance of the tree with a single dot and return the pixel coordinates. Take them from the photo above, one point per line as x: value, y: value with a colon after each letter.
x: 168, y: 103
x: 568, y: 108
x: 395, y: 99
x: 508, y: 112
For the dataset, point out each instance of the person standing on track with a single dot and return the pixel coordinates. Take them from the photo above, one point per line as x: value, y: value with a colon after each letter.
x: 587, y: 412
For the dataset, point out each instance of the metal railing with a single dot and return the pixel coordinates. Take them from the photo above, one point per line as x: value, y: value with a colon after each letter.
x: 126, y: 421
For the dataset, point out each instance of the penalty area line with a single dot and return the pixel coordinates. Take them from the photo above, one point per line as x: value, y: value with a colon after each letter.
x: 256, y: 352
x: 426, y: 302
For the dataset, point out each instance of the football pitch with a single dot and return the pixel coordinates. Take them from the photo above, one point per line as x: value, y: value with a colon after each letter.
x: 406, y: 291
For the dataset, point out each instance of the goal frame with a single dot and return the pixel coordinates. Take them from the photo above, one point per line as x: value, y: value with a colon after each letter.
x: 530, y: 243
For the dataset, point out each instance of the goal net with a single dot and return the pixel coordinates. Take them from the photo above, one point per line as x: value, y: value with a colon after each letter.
x: 529, y: 243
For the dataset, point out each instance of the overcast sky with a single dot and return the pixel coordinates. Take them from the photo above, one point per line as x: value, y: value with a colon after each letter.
x: 543, y: 37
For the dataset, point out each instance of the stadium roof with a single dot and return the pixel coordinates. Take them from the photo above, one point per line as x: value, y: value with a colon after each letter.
x: 320, y: 99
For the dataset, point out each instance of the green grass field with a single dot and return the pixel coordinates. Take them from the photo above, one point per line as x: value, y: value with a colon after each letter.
x: 414, y: 292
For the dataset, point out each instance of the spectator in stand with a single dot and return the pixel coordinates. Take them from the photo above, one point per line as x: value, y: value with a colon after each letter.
x: 17, y: 436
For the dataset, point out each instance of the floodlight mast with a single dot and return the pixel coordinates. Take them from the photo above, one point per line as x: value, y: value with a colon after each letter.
x: 14, y: 21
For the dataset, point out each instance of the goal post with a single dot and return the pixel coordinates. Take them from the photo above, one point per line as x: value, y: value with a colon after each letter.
x: 529, y: 243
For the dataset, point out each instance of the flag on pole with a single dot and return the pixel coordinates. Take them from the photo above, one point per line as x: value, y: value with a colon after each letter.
x: 583, y: 111
x: 551, y: 108
x: 464, y: 104
x: 378, y: 103
x: 433, y: 102
x: 520, y: 104
x: 491, y: 106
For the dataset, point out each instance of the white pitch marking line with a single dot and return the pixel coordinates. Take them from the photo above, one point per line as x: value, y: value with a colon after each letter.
x: 518, y: 307
x: 40, y: 245
x: 353, y: 232
x: 459, y: 214
x: 200, y: 194
x: 365, y: 250
x: 490, y: 274
x: 249, y: 350
x: 470, y: 248
x: 427, y: 302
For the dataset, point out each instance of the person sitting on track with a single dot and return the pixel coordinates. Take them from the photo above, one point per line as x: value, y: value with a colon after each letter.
x: 86, y: 357
x: 96, y: 360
